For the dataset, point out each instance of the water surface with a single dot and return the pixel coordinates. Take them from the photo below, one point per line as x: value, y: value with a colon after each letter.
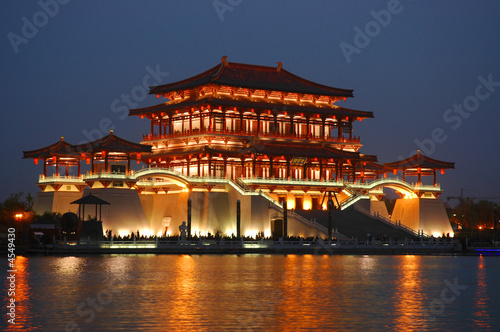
x: 255, y: 292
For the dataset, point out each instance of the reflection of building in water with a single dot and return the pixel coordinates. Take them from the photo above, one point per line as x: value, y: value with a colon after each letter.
x: 257, y: 134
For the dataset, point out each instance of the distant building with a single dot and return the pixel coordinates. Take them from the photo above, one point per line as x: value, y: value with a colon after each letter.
x: 257, y: 134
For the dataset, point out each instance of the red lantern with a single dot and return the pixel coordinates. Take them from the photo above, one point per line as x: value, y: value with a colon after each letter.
x: 385, y: 175
x: 87, y: 161
x: 83, y: 155
x: 157, y: 96
x: 362, y: 173
x: 54, y: 159
x: 35, y: 161
x: 138, y: 156
x: 103, y: 153
x: 419, y: 170
x: 395, y: 172
x: 442, y: 171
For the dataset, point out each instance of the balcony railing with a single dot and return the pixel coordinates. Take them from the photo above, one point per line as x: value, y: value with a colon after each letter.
x: 61, y: 178
x: 153, y: 137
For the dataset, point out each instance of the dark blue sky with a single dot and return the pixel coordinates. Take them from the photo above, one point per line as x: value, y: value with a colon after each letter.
x: 66, y: 77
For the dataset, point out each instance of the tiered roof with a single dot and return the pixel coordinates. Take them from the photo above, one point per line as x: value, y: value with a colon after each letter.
x: 419, y: 161
x: 112, y: 143
x: 109, y: 143
x: 59, y: 149
x: 213, y: 102
x: 252, y: 77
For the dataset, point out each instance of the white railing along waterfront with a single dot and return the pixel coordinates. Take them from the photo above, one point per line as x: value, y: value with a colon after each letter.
x: 159, y: 243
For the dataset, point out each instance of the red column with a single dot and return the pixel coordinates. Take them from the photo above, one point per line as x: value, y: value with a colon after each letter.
x: 242, y: 166
x: 190, y: 122
x: 271, y: 171
x: 287, y: 167
x: 210, y: 120
x: 258, y: 123
x: 253, y: 166
x: 241, y: 121
x: 307, y: 128
x: 224, y: 121
x: 225, y: 167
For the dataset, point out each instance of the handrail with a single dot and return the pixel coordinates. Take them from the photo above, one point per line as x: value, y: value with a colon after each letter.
x: 152, y: 137
x: 388, y: 221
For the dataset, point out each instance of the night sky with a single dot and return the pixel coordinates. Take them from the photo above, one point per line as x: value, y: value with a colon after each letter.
x: 429, y: 70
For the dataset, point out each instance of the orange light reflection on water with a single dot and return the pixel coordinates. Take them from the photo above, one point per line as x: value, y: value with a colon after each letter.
x: 23, y: 313
x: 480, y: 308
x: 183, y: 291
x: 300, y: 288
x: 408, y: 298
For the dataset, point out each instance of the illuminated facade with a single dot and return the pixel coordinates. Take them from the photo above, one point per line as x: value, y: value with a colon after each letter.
x: 257, y: 134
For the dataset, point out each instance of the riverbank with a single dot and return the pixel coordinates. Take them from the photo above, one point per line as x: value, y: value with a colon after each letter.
x: 320, y: 247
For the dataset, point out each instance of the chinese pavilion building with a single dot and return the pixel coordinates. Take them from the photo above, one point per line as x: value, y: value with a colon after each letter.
x: 257, y: 134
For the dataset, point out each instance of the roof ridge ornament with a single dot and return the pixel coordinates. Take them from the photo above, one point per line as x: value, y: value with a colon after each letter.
x: 280, y: 66
x: 224, y: 60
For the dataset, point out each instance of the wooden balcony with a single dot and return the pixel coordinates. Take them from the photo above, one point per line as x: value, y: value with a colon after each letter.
x: 198, y: 132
